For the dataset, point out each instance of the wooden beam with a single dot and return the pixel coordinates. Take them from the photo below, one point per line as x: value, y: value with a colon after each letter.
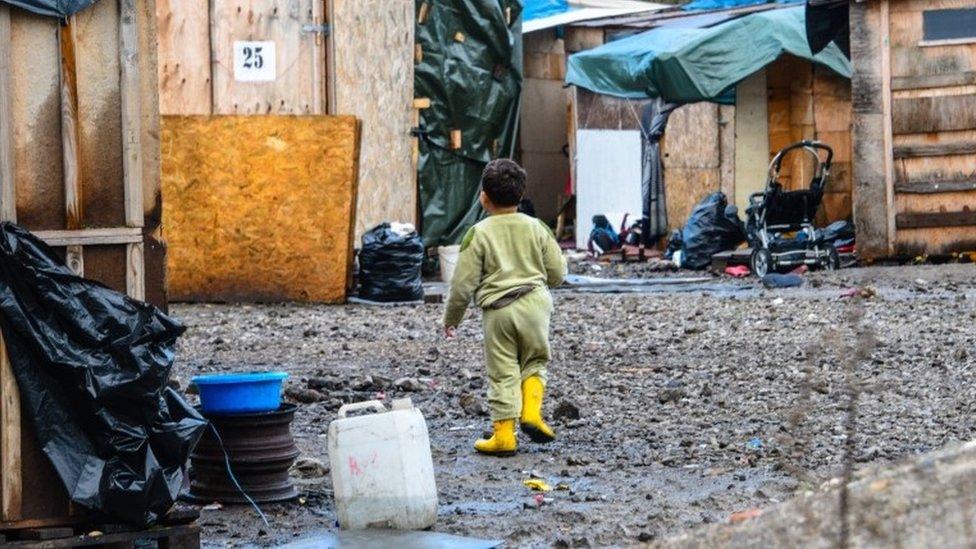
x: 330, y: 58
x: 931, y: 187
x: 8, y: 196
x: 320, y: 94
x: 922, y: 220
x: 135, y: 271
x: 937, y: 149
x: 91, y: 237
x: 70, y: 142
x: 11, y: 479
x: 964, y: 78
x: 131, y: 113
x: 888, y: 137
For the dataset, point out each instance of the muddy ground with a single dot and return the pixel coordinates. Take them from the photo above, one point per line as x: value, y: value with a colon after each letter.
x: 692, y: 403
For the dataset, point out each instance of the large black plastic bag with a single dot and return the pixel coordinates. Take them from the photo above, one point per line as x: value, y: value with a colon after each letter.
x: 389, y: 265
x: 92, y: 366
x: 713, y: 226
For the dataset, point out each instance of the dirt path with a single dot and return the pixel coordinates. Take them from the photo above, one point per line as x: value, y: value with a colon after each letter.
x: 692, y: 405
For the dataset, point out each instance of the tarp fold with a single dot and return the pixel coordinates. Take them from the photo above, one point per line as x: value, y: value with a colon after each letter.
x: 688, y: 65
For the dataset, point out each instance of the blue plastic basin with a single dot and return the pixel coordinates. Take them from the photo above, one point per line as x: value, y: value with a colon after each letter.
x: 240, y: 393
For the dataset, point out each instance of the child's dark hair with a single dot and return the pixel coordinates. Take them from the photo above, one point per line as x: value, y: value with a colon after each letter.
x: 504, y: 182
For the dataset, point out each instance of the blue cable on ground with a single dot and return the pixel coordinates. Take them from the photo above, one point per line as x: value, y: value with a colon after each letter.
x: 233, y: 478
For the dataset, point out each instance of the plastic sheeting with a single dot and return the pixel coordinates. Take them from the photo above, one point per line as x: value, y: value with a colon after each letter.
x: 829, y: 21
x: 687, y: 65
x: 654, y: 223
x: 537, y: 9
x: 696, y: 5
x: 51, y: 8
x: 92, y: 366
x: 471, y: 70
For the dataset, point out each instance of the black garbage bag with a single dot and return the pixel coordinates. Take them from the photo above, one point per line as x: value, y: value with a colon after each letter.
x: 389, y: 265
x: 92, y: 366
x: 713, y: 226
x: 838, y: 230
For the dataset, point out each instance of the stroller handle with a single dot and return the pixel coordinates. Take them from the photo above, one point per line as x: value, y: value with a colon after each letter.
x: 813, y: 147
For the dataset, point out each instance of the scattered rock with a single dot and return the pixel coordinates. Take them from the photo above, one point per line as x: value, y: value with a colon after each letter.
x: 566, y: 409
x: 673, y: 391
x: 309, y: 467
x: 304, y: 395
x: 472, y: 405
x: 410, y: 384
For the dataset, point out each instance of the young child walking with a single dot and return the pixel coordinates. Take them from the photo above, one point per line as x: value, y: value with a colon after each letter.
x: 507, y: 264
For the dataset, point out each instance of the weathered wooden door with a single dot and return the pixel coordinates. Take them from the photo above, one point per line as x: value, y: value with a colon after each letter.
x: 268, y: 56
x: 242, y: 56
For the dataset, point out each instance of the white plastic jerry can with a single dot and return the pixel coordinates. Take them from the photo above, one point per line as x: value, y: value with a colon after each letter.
x: 382, y: 470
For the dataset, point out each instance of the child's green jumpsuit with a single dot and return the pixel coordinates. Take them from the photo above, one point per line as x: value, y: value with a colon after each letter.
x: 507, y: 263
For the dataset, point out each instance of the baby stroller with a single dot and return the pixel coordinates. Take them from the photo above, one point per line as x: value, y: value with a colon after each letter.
x: 780, y: 223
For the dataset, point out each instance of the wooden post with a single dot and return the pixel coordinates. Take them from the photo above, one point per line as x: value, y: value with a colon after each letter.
x: 8, y: 203
x: 888, y: 137
x: 320, y: 94
x: 70, y: 141
x: 871, y: 123
x: 131, y: 145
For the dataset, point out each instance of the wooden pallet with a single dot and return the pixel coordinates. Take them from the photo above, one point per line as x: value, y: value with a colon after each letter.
x: 186, y: 536
x: 176, y: 530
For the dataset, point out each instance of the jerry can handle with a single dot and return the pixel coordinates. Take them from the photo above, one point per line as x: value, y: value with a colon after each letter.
x: 374, y: 405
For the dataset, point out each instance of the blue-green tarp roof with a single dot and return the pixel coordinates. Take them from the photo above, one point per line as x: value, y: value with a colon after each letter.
x: 687, y: 65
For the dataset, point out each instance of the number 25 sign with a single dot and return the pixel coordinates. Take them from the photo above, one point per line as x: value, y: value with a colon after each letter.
x: 254, y: 61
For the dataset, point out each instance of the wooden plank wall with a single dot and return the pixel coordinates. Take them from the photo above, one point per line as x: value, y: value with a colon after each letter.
x: 79, y: 166
x: 933, y: 111
x: 372, y: 57
x: 812, y: 102
x: 258, y: 208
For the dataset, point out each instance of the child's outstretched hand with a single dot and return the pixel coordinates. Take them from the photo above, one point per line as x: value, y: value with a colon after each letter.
x: 449, y: 331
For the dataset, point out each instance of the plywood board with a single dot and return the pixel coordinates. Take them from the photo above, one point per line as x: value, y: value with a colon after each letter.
x: 752, y: 138
x: 259, y: 208
x: 293, y: 89
x: 548, y: 174
x: 608, y: 171
x: 543, y: 115
x: 372, y: 55
x: 184, y: 56
x: 543, y: 135
x: 100, y: 115
x: 691, y: 139
x: 36, y: 106
x: 684, y: 188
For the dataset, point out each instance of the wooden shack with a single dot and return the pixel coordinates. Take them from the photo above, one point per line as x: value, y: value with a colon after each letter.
x: 914, y: 132
x: 79, y: 166
x: 321, y: 99
x: 707, y: 147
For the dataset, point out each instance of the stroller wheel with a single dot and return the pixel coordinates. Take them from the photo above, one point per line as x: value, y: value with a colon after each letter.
x: 761, y: 262
x: 833, y: 259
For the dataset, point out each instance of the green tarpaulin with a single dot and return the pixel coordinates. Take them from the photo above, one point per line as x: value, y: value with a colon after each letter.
x: 471, y: 70
x: 687, y: 65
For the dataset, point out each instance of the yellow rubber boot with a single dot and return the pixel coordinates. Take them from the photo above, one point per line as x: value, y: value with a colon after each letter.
x: 532, y: 424
x: 502, y: 442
